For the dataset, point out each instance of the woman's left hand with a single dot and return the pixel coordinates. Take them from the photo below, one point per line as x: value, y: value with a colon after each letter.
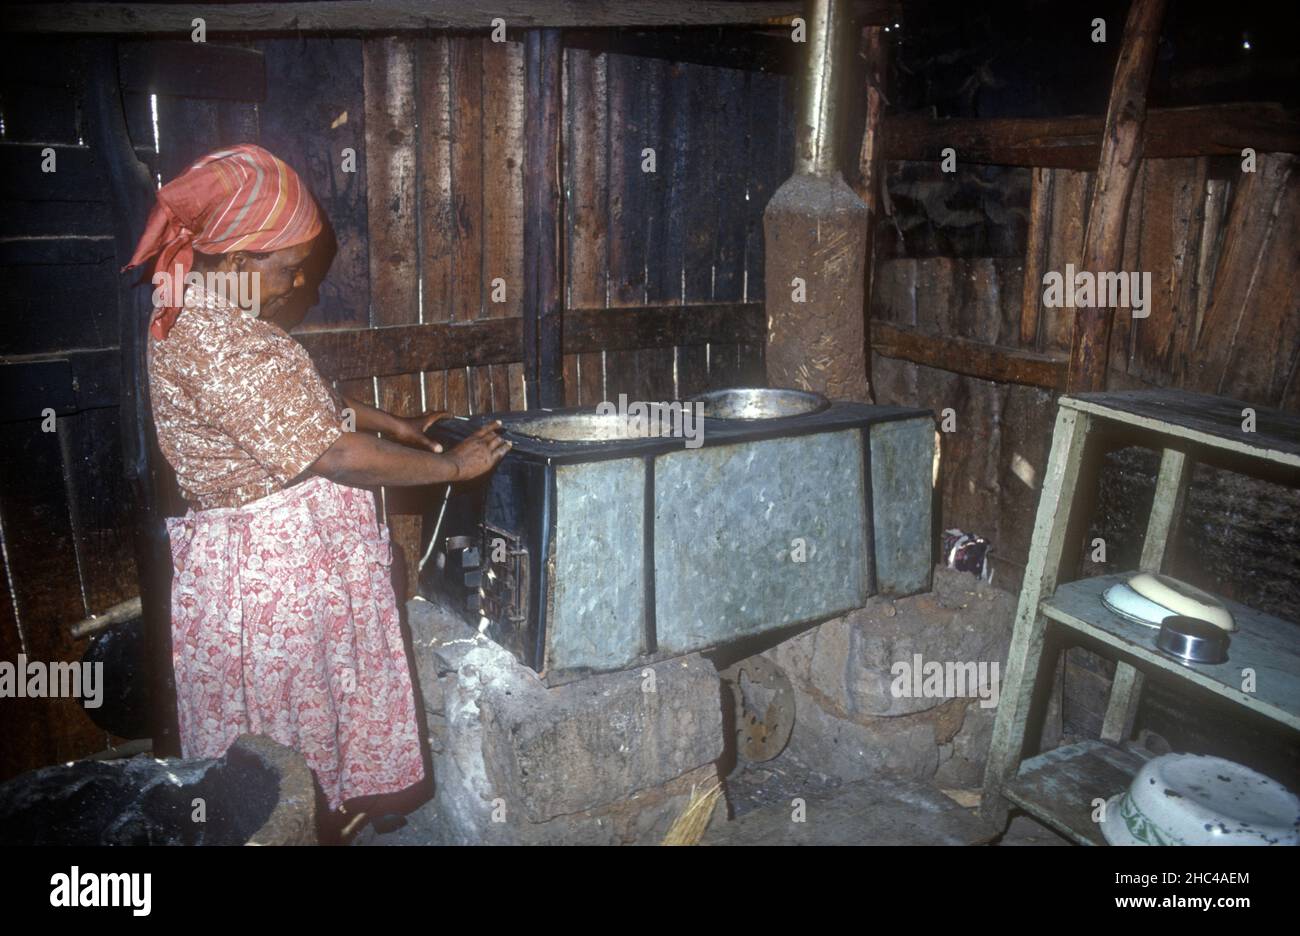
x: 409, y: 430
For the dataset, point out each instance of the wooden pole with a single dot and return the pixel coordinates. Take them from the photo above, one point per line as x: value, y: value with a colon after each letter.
x: 870, y: 168
x: 131, y: 193
x: 543, y: 220
x: 1121, y: 153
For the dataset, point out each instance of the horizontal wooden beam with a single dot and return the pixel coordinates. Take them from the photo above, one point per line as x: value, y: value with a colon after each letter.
x: 969, y: 357
x: 387, y: 16
x: 741, y: 48
x: 1075, y: 142
x: 349, y: 354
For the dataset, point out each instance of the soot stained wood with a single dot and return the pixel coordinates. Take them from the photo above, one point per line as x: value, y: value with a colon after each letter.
x: 543, y: 209
x: 390, y: 121
x: 664, y: 231
x: 1121, y: 151
x: 587, y: 209
x: 436, y: 217
x: 313, y: 115
x: 353, y: 353
x: 628, y: 137
x: 504, y: 106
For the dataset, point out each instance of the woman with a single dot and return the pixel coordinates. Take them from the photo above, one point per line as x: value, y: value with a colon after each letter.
x: 284, y: 620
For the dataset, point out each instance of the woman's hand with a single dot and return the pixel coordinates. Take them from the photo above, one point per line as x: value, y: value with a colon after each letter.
x: 362, y: 460
x: 410, y: 430
x: 479, y: 453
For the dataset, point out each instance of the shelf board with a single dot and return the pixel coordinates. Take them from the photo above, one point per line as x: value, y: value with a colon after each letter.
x: 1060, y: 787
x: 1268, y: 645
x: 1205, y: 420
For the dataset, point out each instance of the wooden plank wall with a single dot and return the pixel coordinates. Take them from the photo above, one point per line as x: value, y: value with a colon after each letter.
x: 1220, y: 245
x: 444, y: 147
x: 64, y: 533
x: 428, y: 221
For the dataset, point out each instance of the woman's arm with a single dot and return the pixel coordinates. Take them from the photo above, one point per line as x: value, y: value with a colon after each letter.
x: 408, y: 431
x: 361, y: 460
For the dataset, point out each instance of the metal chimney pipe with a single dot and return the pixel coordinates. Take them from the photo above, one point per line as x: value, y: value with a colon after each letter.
x: 815, y: 237
x: 816, y: 149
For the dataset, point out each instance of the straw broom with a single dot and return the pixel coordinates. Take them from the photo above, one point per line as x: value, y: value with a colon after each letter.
x: 688, y: 828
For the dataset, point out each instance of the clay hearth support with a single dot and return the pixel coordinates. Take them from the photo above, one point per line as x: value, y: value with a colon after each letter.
x: 815, y: 236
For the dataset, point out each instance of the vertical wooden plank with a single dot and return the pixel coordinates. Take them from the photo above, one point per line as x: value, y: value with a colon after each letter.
x: 572, y: 390
x: 1036, y: 252
x: 467, y: 157
x: 1167, y: 208
x: 1189, y: 225
x: 1266, y: 348
x: 765, y: 160
x: 436, y: 217
x: 587, y: 166
x: 1069, y: 214
x: 762, y: 175
x: 727, y: 140
x: 314, y: 112
x: 693, y: 126
x: 627, y: 195
x: 1250, y: 224
x: 503, y: 192
x: 664, y: 96
x: 390, y: 92
x: 1121, y: 348
x: 544, y: 217
x: 1207, y: 261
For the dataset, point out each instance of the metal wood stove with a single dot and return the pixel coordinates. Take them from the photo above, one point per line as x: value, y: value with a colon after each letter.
x: 586, y: 550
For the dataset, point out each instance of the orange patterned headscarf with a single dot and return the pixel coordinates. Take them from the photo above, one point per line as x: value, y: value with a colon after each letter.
x: 239, y: 198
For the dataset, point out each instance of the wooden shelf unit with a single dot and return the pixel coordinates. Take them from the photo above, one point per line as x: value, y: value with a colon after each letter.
x: 1060, y: 787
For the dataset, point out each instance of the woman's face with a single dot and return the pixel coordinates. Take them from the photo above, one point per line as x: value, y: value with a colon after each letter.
x: 280, y: 276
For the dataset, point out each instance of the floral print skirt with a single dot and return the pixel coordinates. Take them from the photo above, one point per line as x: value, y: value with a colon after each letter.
x: 284, y: 623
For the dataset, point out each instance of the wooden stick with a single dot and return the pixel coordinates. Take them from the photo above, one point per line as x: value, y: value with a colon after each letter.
x: 123, y: 611
x: 870, y: 166
x: 1040, y: 228
x: 352, y: 826
x: 1121, y: 151
x: 969, y: 357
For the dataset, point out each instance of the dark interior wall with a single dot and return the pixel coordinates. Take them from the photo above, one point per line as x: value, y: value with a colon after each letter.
x: 431, y: 216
